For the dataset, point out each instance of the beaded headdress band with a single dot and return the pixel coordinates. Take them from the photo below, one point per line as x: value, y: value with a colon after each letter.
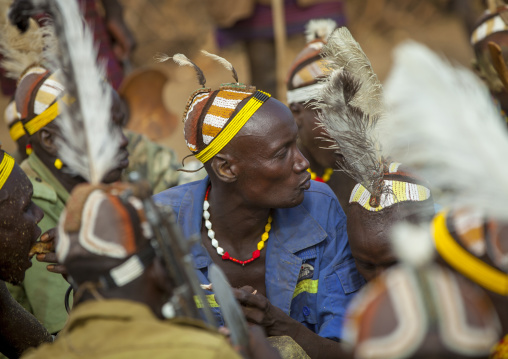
x: 6, y: 167
x: 16, y: 130
x: 394, y: 192
x: 208, y: 125
x: 465, y: 262
x: 308, y: 66
x: 37, y: 98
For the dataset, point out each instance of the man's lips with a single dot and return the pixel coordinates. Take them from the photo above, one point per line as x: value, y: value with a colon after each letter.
x: 305, y: 184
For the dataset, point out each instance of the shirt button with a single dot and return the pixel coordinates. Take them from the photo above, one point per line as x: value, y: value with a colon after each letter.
x: 38, y: 179
x: 306, y: 311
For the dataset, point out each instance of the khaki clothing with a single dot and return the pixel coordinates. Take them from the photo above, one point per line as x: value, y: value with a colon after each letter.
x: 157, y: 164
x: 42, y: 293
x: 115, y: 329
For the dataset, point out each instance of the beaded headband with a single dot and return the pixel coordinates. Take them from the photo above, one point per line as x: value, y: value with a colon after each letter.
x: 308, y: 66
x: 6, y: 167
x: 36, y: 98
x: 16, y: 130
x: 393, y: 192
x: 466, y: 263
x: 232, y: 128
x: 215, y: 108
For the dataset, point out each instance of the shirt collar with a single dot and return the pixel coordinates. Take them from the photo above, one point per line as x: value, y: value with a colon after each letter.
x: 294, y: 227
x: 45, y: 174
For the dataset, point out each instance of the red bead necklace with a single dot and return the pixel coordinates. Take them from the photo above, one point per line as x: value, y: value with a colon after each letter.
x: 215, y: 242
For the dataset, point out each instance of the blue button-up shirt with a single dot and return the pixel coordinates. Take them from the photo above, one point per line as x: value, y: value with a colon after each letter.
x: 310, y: 273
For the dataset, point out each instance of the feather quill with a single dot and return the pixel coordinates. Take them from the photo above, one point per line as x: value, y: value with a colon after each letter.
x: 182, y: 60
x: 89, y: 144
x: 353, y: 132
x: 19, y: 51
x: 319, y: 29
x: 444, y: 125
x: 342, y: 51
x: 223, y: 62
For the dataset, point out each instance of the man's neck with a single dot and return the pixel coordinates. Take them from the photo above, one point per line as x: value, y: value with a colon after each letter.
x: 67, y: 180
x: 235, y: 221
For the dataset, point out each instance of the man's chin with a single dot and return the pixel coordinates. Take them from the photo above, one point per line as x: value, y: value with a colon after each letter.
x: 113, y: 176
x: 15, y: 280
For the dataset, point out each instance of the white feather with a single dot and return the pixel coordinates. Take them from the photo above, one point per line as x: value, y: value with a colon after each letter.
x: 319, y: 29
x: 89, y: 144
x: 182, y: 60
x: 342, y: 51
x: 412, y: 244
x: 219, y: 59
x: 160, y: 57
x: 444, y: 125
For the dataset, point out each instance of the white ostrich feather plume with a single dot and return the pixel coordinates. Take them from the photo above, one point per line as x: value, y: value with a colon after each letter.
x: 413, y: 244
x: 342, y: 51
x: 89, y: 143
x: 319, y: 29
x: 354, y: 132
x: 444, y: 125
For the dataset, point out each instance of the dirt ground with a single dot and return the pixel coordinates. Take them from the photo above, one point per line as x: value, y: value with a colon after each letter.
x: 172, y: 26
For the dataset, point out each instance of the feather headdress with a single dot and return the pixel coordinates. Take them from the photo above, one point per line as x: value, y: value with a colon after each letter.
x: 342, y: 51
x: 351, y: 104
x: 21, y: 50
x: 444, y: 125
x: 89, y: 144
x: 223, y: 62
x: 182, y: 60
x: 353, y: 131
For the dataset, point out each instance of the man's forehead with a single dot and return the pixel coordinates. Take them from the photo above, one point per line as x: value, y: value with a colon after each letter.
x: 272, y: 116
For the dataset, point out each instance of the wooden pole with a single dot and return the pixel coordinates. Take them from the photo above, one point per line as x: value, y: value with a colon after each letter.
x: 279, y: 29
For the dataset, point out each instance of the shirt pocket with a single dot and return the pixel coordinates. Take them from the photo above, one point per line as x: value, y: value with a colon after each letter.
x: 345, y: 276
x: 304, y: 303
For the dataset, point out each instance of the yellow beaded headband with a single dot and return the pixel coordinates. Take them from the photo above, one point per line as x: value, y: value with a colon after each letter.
x: 397, y: 192
x: 6, y: 167
x: 232, y: 128
x: 41, y: 120
x: 17, y: 131
x: 478, y: 271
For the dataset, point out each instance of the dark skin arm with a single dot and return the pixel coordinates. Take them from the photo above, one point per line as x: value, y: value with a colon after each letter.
x: 19, y: 330
x: 258, y: 310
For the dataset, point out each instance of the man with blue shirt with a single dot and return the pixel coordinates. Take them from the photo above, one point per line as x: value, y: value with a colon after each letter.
x: 279, y: 237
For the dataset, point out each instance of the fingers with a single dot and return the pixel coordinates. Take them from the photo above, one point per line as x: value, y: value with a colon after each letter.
x: 47, y: 257
x: 246, y: 297
x: 49, y: 235
x: 58, y: 269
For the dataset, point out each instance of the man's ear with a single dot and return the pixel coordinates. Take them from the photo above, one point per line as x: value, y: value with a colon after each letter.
x: 46, y: 138
x: 297, y: 110
x: 224, y: 167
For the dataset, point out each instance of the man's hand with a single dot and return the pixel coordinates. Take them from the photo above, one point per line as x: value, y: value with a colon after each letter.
x: 258, y: 310
x: 49, y: 237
